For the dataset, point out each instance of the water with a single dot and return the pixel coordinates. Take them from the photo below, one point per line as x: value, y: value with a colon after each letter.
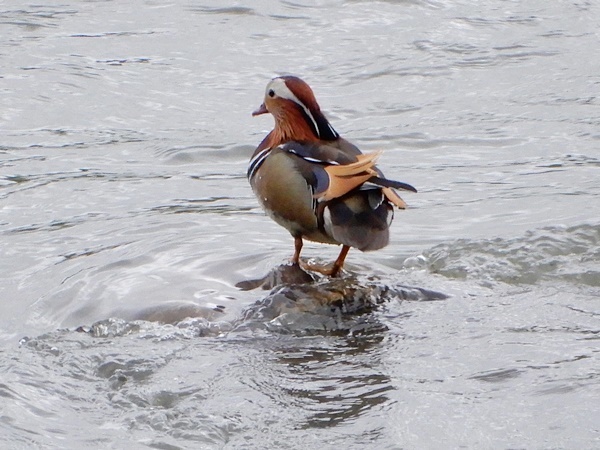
x: 127, y: 225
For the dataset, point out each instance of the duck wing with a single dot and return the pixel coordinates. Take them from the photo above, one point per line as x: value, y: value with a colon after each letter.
x: 334, y: 169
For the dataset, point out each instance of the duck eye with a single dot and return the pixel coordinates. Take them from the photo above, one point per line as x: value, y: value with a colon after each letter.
x: 271, y: 93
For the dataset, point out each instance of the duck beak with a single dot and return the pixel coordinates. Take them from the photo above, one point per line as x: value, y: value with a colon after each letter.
x: 262, y: 109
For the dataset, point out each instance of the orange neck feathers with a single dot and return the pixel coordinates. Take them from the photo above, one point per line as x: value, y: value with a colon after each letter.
x: 290, y: 125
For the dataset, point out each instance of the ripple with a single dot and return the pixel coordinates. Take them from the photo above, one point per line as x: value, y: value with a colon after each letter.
x: 231, y: 10
x: 221, y: 205
x: 471, y: 55
x: 116, y: 34
x: 497, y: 376
x: 64, y: 138
x: 509, y: 20
x: 117, y: 381
x: 35, y: 17
x: 551, y: 254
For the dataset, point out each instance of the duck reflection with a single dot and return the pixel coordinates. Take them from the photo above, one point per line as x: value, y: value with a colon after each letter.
x: 332, y: 396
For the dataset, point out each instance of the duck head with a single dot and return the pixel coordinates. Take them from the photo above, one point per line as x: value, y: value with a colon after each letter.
x: 297, y: 114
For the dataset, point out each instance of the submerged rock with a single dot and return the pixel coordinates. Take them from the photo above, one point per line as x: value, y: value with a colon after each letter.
x: 297, y: 301
x: 283, y: 274
x: 321, y: 302
x: 173, y: 312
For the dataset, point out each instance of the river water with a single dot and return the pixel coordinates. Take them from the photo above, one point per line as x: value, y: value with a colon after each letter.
x: 129, y: 235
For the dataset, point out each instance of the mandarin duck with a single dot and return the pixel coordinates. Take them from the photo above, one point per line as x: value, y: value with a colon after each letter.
x: 316, y: 184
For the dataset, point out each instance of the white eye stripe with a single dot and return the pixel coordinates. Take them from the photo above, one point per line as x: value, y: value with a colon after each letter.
x: 281, y: 90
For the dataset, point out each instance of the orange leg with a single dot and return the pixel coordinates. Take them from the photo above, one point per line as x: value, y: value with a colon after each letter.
x: 339, y: 262
x: 297, y: 249
x: 335, y: 269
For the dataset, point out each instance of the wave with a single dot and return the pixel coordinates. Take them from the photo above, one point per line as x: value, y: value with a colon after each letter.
x: 557, y: 254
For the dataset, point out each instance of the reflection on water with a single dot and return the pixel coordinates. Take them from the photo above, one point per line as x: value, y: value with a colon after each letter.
x: 332, y: 396
x: 151, y: 295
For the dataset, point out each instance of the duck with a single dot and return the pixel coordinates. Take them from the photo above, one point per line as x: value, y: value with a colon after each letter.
x: 316, y: 184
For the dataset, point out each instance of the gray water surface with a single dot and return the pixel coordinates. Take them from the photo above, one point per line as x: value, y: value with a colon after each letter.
x: 127, y: 227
